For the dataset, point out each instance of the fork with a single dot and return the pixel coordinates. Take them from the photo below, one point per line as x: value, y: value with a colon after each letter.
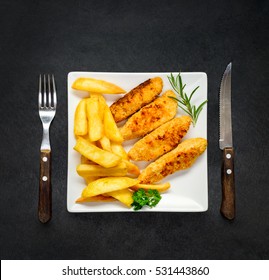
x: 47, y: 102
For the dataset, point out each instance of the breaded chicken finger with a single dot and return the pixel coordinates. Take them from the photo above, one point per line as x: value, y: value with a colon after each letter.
x: 161, y: 140
x: 138, y: 97
x: 182, y: 157
x: 151, y: 116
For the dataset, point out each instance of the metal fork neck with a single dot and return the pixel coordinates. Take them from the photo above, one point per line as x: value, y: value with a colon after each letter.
x: 45, y: 144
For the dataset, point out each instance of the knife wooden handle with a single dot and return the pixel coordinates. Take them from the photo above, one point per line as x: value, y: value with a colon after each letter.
x: 228, y: 188
x: 44, y: 204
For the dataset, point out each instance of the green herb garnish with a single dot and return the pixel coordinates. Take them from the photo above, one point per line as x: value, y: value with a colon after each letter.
x: 142, y: 198
x: 184, y: 102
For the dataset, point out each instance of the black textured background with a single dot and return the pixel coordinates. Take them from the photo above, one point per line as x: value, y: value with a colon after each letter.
x: 132, y: 36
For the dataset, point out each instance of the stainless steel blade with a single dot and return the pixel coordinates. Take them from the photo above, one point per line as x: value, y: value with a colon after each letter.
x: 225, y: 110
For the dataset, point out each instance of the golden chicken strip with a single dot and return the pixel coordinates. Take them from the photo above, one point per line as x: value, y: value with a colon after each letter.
x: 161, y: 140
x: 138, y: 97
x: 151, y: 116
x: 182, y: 157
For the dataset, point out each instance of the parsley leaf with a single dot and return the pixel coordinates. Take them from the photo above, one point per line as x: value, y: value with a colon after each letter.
x: 142, y: 198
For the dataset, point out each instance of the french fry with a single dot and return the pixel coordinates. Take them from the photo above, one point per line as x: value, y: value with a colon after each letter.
x: 89, y: 179
x: 108, y: 184
x: 104, y: 158
x: 105, y: 143
x: 160, y: 187
x: 102, y: 105
x: 85, y: 170
x: 97, y: 198
x: 95, y: 123
x: 125, y: 196
x: 80, y: 120
x: 110, y: 127
x: 131, y: 168
x: 118, y: 149
x: 96, y: 86
x: 84, y: 160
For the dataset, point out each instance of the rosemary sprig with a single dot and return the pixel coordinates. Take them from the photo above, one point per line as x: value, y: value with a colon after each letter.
x: 184, y: 101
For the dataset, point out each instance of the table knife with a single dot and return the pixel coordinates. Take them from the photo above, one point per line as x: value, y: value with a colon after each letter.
x: 227, y: 208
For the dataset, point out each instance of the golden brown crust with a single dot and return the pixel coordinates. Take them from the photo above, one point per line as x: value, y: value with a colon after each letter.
x: 160, y: 141
x: 182, y: 157
x: 138, y: 97
x: 151, y: 116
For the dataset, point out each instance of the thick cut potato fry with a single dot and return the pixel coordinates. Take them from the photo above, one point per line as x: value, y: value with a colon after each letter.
x: 85, y: 170
x: 95, y: 123
x: 98, y: 198
x: 160, y: 187
x: 125, y: 196
x: 105, y: 143
x: 80, y: 121
x: 131, y: 168
x: 108, y: 184
x: 84, y: 160
x: 96, y: 86
x: 102, y: 104
x: 118, y: 149
x: 104, y: 158
x: 110, y: 127
x: 89, y: 179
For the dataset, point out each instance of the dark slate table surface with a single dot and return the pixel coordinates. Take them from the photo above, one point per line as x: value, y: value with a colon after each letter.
x: 133, y: 36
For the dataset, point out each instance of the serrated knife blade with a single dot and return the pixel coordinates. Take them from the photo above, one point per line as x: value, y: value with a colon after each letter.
x: 226, y: 139
x: 226, y: 144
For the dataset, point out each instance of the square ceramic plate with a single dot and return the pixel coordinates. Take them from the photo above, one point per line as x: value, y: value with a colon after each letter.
x: 189, y: 188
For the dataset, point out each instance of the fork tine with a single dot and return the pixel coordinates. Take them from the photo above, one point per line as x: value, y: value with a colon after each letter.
x: 54, y: 92
x: 49, y: 92
x: 44, y: 91
x: 40, y: 92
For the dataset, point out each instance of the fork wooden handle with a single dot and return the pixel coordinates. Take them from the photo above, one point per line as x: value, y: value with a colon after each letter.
x: 228, y: 188
x: 44, y: 204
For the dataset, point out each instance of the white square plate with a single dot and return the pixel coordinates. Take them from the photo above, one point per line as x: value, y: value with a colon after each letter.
x: 189, y: 188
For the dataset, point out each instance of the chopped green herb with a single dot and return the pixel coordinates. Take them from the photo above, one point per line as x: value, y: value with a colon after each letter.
x: 142, y: 198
